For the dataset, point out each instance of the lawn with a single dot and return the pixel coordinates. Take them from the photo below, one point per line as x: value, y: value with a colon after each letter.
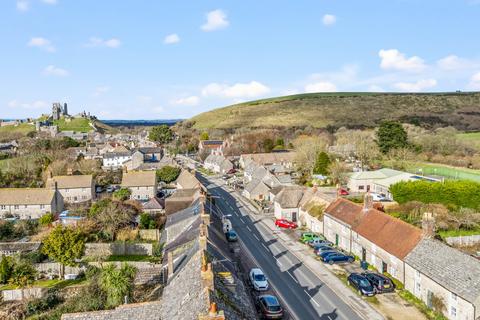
x: 458, y: 233
x: 470, y: 137
x: 23, y: 129
x: 76, y: 124
x: 130, y: 258
x: 55, y: 283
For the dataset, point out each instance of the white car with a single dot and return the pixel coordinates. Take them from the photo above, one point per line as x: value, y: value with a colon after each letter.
x: 378, y: 197
x: 258, y: 279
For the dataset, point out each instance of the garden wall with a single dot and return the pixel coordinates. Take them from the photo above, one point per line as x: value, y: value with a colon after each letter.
x: 55, y: 267
x: 23, y: 294
x: 149, y: 234
x: 463, y: 240
x: 117, y: 248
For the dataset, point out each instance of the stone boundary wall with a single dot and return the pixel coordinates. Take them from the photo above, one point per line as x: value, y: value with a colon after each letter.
x: 55, y: 267
x: 23, y: 294
x: 117, y: 248
x: 138, y: 311
x: 149, y: 234
x: 463, y: 240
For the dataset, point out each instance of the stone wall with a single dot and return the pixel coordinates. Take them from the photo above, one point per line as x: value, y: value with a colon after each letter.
x: 149, y: 234
x: 117, y: 248
x: 23, y: 294
x: 55, y: 267
x: 463, y: 240
x: 137, y: 311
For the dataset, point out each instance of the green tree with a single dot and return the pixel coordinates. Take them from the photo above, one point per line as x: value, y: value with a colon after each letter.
x: 322, y: 163
x: 268, y: 145
x: 111, y: 216
x: 64, y: 245
x: 117, y: 283
x: 23, y: 274
x: 147, y: 222
x: 204, y: 136
x: 68, y: 142
x: 122, y: 194
x: 6, y: 269
x: 162, y: 134
x: 46, y: 219
x: 391, y: 135
x: 168, y: 174
x: 280, y: 142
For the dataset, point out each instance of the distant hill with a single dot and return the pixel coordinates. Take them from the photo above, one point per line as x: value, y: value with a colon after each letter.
x: 354, y: 110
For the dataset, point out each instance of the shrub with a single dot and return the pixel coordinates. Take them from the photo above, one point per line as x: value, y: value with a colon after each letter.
x: 46, y: 219
x: 122, y: 194
x: 457, y: 193
x: 168, y: 174
x: 147, y: 222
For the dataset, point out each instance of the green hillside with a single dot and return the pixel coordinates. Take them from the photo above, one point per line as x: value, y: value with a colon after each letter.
x: 76, y: 124
x: 319, y: 110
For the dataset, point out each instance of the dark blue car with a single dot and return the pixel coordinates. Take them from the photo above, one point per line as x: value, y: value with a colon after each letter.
x: 338, y: 258
x: 231, y: 236
x: 324, y: 254
x: 360, y: 283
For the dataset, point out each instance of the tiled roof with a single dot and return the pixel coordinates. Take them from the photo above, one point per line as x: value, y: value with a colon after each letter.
x: 154, y: 204
x: 212, y: 143
x: 70, y: 182
x: 450, y: 268
x: 345, y: 211
x: 139, y: 179
x: 26, y: 196
x: 391, y: 234
x: 270, y: 158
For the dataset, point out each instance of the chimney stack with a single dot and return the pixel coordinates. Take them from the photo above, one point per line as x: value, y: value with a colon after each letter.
x: 170, y: 264
x: 367, y: 202
x: 428, y: 225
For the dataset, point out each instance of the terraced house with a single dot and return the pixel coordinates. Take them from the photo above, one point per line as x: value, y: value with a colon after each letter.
x: 74, y: 189
x: 29, y: 203
x: 142, y: 184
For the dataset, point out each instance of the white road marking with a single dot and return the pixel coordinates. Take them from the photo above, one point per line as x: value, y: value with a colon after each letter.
x: 311, y: 298
x: 279, y: 263
x: 292, y: 277
x: 265, y: 246
x: 256, y: 237
x: 249, y: 229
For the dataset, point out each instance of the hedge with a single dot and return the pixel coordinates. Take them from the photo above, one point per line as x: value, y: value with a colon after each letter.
x: 459, y: 193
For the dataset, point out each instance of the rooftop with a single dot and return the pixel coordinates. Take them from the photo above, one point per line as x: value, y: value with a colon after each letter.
x: 139, y: 179
x: 70, y: 182
x: 26, y: 196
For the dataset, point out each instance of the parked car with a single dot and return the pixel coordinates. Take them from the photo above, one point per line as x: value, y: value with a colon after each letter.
x: 380, y: 283
x: 284, y: 223
x: 231, y: 236
x: 338, y: 258
x: 343, y: 192
x: 258, y: 279
x: 319, y: 242
x: 326, y: 253
x: 321, y: 249
x: 378, y: 197
x: 99, y: 189
x: 269, y: 307
x: 225, y: 177
x: 110, y: 189
x: 232, y: 171
x: 307, y: 236
x: 361, y: 284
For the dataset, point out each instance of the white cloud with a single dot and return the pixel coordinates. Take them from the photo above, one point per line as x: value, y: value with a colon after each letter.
x: 23, y: 5
x: 239, y: 90
x: 216, y: 20
x: 474, y: 82
x: 99, y: 42
x: 51, y: 70
x: 393, y: 59
x: 329, y: 19
x: 322, y: 86
x: 171, y: 39
x: 187, y: 101
x: 418, y: 86
x: 50, y: 1
x: 100, y: 90
x: 39, y: 104
x: 41, y: 43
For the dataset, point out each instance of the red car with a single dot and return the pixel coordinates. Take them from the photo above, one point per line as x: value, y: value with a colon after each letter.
x: 284, y: 223
x: 343, y: 192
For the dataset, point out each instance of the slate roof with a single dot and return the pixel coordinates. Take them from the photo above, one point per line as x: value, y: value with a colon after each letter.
x: 212, y: 143
x: 139, y: 179
x: 376, y: 174
x: 154, y: 204
x: 451, y: 268
x: 26, y: 196
x: 187, y: 180
x: 70, y: 182
x: 112, y: 155
x: 270, y: 158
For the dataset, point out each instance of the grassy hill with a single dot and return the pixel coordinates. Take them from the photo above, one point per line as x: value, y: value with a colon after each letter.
x: 319, y: 110
x: 76, y: 124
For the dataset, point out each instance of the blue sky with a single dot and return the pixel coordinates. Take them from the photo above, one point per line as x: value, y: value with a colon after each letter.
x: 133, y: 59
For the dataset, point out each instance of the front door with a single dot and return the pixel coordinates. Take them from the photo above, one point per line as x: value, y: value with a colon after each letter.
x: 384, y: 267
x: 364, y: 254
x: 336, y: 240
x: 294, y: 217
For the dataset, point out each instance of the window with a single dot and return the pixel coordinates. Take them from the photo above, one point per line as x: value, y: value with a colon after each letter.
x: 453, y: 311
x: 453, y: 296
x: 16, y: 207
x: 417, y: 274
x: 42, y: 206
x: 26, y: 206
x: 67, y: 190
x: 3, y: 207
x: 361, y: 187
x: 418, y: 288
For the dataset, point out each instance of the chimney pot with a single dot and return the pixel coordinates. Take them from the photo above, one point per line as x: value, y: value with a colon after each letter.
x: 213, y: 309
x: 367, y: 202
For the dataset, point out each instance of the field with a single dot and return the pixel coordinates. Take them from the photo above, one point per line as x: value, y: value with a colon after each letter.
x: 444, y: 171
x: 471, y: 137
x: 22, y: 130
x: 76, y: 124
x: 356, y: 110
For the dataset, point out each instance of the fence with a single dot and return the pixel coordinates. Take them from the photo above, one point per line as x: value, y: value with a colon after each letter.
x: 23, y: 294
x: 463, y: 240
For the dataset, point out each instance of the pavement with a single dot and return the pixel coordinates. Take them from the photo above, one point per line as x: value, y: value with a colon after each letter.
x: 305, y: 287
